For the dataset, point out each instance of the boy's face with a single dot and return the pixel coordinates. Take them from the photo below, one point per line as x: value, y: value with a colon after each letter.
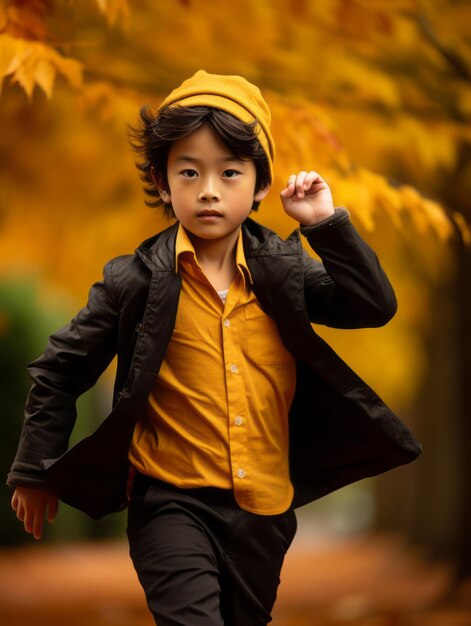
x: 210, y: 190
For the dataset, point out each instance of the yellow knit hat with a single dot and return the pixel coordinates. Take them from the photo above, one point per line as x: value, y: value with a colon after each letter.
x: 232, y: 94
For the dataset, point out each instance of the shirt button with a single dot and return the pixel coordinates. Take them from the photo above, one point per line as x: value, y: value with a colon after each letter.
x: 227, y: 323
x: 238, y: 420
x: 241, y: 473
x: 234, y: 368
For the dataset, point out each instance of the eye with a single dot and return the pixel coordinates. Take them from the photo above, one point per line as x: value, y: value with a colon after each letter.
x: 231, y: 173
x: 189, y: 173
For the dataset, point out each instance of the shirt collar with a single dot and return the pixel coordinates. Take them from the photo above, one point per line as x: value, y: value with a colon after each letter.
x: 183, y: 246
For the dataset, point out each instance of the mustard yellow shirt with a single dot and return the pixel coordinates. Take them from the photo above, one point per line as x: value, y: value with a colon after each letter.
x: 218, y: 413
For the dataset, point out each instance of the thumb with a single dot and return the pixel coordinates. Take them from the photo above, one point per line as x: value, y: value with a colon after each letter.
x: 287, y: 192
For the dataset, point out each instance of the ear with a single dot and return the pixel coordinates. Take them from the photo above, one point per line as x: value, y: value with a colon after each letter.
x: 159, y: 183
x: 164, y: 195
x: 261, y: 194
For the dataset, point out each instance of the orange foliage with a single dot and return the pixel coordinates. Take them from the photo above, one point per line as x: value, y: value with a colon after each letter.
x: 348, y: 57
x: 31, y: 63
x: 362, y: 91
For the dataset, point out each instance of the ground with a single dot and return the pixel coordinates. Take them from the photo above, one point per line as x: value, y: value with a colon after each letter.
x: 326, y: 581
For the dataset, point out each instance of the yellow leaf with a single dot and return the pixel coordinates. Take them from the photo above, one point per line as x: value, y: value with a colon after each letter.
x: 44, y: 76
x: 114, y: 10
x: 33, y: 63
x: 463, y: 227
x: 9, y: 48
x: 71, y: 69
x: 23, y: 69
x: 438, y: 219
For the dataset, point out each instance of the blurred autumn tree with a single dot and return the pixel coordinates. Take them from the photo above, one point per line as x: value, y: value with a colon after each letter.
x: 376, y: 96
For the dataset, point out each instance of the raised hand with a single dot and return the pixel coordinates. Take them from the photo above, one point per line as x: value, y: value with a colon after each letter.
x: 307, y: 198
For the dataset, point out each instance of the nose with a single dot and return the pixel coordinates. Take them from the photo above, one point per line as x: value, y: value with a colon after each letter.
x: 209, y: 192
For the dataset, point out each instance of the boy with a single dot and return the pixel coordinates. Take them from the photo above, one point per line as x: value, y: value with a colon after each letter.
x: 229, y: 411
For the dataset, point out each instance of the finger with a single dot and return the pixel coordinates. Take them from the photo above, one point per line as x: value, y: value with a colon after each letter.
x: 14, y: 501
x: 291, y: 180
x: 52, y: 509
x: 287, y: 193
x: 20, y: 511
x: 38, y: 523
x: 29, y: 521
x: 299, y: 184
x: 310, y: 179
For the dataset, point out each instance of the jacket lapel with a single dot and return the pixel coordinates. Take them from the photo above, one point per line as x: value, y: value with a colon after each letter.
x: 158, y: 254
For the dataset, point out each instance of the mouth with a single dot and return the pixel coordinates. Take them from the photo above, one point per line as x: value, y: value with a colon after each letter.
x: 209, y: 213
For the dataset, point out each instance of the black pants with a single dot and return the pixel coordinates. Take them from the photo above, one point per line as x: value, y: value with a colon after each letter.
x: 201, y: 559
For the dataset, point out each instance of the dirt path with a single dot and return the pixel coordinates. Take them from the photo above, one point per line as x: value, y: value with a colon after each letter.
x: 365, y: 581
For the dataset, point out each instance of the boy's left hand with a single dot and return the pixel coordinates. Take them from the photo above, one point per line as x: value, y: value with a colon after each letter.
x: 307, y: 198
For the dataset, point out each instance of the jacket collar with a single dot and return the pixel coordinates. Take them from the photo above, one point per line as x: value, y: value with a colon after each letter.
x: 158, y: 252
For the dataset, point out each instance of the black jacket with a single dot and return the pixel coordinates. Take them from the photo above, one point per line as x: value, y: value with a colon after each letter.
x: 340, y: 430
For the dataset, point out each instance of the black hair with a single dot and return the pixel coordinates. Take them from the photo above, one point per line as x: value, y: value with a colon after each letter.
x: 154, y: 134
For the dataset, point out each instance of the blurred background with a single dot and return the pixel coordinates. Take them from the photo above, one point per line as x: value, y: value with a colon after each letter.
x: 376, y: 96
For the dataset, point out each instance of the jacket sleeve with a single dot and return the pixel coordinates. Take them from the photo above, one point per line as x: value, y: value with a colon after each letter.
x: 74, y: 358
x: 349, y: 288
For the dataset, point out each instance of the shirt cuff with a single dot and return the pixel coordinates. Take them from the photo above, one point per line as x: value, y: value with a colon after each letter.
x: 340, y: 216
